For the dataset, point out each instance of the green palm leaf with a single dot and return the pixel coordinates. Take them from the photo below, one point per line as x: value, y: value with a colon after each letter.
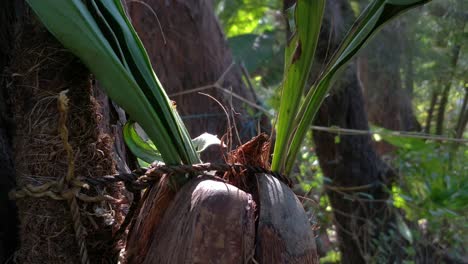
x: 100, y: 34
x: 378, y: 13
x: 299, y: 54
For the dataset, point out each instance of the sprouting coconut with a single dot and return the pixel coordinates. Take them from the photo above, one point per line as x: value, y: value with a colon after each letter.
x: 240, y: 218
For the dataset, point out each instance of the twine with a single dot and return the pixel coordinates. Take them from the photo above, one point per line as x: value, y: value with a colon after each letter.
x: 144, y: 177
x: 135, y: 181
x: 67, y: 187
x: 80, y: 232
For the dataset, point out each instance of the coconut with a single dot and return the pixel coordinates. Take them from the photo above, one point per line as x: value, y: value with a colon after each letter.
x: 242, y: 218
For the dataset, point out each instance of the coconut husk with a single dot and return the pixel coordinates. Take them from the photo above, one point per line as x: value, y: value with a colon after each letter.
x: 156, y: 200
x: 256, y: 153
x: 284, y: 234
x: 209, y: 221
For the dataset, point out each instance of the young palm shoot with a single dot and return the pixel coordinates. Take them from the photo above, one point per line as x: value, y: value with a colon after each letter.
x: 297, y: 110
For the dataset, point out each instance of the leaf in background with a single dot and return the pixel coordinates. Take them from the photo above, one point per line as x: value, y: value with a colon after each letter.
x: 261, y: 54
x: 299, y: 55
x: 105, y: 41
x: 246, y: 16
x: 141, y: 69
x: 399, y: 140
x: 204, y: 141
x: 369, y: 22
x: 253, y: 50
x: 403, y: 229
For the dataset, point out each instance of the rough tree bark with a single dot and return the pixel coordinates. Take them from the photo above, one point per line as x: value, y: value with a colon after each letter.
x: 39, y: 70
x: 356, y: 173
x: 462, y: 117
x: 8, y: 221
x: 355, y: 169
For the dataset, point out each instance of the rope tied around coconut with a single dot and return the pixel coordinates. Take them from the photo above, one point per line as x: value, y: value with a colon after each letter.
x: 137, y: 180
x: 142, y: 178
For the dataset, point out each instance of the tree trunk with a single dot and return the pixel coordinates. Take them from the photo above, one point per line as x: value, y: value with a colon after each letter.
x: 50, y: 229
x: 388, y: 104
x: 41, y: 72
x: 188, y: 51
x: 430, y: 111
x: 445, y: 92
x: 359, y: 178
x: 8, y: 221
x: 462, y: 117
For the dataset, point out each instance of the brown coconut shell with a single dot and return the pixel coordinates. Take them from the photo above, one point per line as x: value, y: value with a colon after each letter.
x: 284, y: 234
x: 209, y: 221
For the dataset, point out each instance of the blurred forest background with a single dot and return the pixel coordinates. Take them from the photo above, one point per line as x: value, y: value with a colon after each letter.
x: 413, y: 76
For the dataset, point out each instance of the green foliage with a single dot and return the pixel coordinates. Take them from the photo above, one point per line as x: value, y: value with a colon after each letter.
x: 247, y: 16
x: 433, y: 189
x: 297, y: 111
x: 437, y: 182
x: 299, y: 54
x: 331, y: 257
x: 100, y: 34
x: 434, y: 33
x: 435, y: 178
x: 434, y: 183
x: 294, y: 119
x: 260, y: 54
